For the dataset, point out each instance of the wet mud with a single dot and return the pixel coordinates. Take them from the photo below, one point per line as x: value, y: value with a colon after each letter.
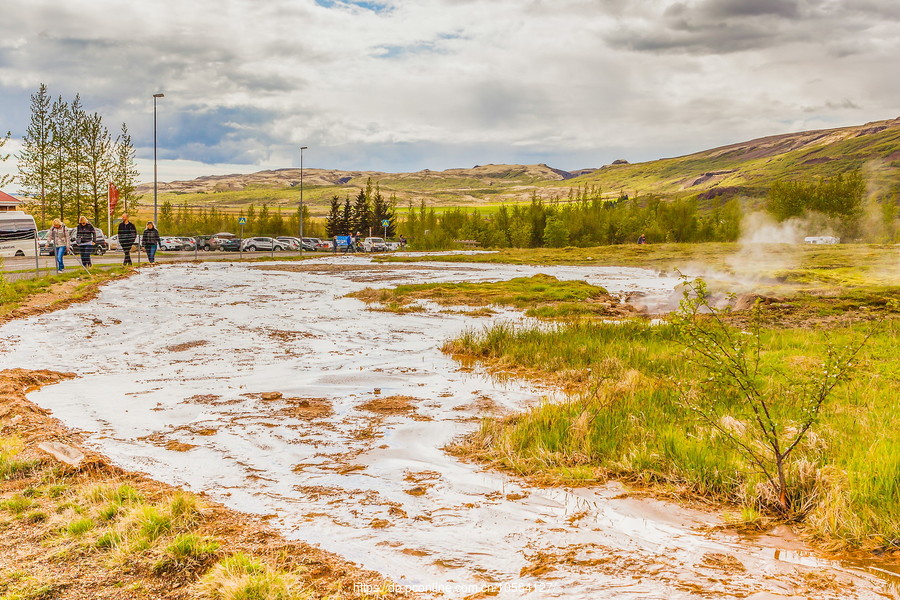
x: 267, y: 389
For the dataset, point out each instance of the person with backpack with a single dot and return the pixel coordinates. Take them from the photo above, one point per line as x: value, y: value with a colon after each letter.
x: 151, y: 241
x: 127, y: 236
x: 58, y: 239
x: 85, y: 238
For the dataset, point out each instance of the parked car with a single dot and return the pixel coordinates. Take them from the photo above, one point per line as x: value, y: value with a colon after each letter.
x: 100, y: 247
x: 170, y: 243
x: 262, y: 243
x: 292, y: 243
x: 230, y: 244
x: 309, y: 244
x: 324, y: 244
x: 188, y: 243
x: 214, y: 242
x: 43, y: 244
x: 115, y: 245
x: 391, y: 246
x: 374, y: 244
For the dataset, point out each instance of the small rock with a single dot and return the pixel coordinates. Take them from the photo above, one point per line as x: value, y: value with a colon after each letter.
x: 63, y: 452
x: 271, y: 395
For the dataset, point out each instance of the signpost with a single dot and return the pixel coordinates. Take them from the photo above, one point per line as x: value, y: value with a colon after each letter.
x: 242, y: 221
x: 385, y: 223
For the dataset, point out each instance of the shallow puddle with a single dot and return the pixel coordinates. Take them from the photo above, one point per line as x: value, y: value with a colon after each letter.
x: 271, y: 392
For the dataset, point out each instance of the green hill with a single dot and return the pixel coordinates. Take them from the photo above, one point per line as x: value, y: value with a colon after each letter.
x: 747, y: 168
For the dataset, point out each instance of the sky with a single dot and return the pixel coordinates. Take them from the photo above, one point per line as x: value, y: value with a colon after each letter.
x: 405, y: 85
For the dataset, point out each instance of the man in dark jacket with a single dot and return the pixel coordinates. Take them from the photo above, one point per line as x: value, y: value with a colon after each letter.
x: 127, y: 236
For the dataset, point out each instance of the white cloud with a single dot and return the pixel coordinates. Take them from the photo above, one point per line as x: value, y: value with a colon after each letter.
x: 446, y: 83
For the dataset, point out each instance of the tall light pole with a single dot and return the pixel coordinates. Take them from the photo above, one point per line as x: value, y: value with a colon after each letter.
x: 155, y: 96
x: 302, y: 148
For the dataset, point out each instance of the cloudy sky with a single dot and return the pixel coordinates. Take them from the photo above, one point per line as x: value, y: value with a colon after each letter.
x: 403, y: 85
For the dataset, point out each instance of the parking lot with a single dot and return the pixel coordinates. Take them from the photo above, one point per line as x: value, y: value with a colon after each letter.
x: 24, y: 267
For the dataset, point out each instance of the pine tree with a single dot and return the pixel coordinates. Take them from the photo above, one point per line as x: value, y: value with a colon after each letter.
x: 347, y: 218
x: 383, y: 210
x: 37, y: 156
x: 361, y: 218
x: 333, y: 220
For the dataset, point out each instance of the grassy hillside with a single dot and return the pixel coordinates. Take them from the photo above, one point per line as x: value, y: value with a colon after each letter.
x: 750, y: 167
x: 747, y: 168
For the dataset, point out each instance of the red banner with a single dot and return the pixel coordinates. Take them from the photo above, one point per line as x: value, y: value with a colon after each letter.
x: 113, y: 197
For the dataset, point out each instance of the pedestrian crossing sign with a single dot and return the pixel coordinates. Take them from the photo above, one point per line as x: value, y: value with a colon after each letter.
x: 242, y: 220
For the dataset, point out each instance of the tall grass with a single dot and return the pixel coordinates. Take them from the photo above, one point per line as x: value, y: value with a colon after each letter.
x: 627, y: 420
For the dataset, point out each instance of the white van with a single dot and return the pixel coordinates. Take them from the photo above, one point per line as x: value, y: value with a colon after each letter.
x: 17, y: 234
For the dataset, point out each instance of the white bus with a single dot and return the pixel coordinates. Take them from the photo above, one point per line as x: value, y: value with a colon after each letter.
x: 17, y: 234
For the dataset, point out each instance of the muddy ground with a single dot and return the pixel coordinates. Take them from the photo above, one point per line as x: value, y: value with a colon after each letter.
x: 37, y: 556
x: 326, y: 421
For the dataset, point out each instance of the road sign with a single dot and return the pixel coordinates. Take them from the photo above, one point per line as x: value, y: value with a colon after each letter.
x: 385, y: 222
x: 242, y: 220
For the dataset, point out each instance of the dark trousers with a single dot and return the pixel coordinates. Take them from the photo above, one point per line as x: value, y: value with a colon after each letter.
x: 151, y: 252
x: 86, y: 251
x: 127, y: 252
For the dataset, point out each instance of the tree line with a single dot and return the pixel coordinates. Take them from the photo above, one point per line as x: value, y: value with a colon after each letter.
x: 261, y: 221
x: 588, y: 221
x: 68, y: 158
x: 367, y: 214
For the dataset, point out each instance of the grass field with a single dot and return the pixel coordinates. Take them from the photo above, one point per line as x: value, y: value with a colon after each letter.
x: 624, y: 414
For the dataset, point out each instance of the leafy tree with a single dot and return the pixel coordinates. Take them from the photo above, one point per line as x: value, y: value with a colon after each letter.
x: 556, y: 234
x: 125, y: 172
x: 98, y: 164
x: 749, y: 399
x: 36, y: 156
x: 75, y: 151
x: 166, y: 217
x: 59, y: 179
x: 4, y: 179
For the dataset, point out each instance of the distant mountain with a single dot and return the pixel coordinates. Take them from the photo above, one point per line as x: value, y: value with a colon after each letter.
x: 746, y: 168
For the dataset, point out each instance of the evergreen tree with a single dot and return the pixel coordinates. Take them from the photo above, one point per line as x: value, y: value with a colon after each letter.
x: 37, y: 155
x: 361, y: 219
x: 333, y: 220
x: 347, y: 218
x: 383, y: 210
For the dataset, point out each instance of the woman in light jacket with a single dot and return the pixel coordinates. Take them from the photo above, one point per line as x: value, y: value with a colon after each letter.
x: 150, y: 240
x: 58, y: 239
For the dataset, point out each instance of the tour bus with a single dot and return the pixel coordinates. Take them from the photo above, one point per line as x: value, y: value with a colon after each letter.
x: 17, y: 234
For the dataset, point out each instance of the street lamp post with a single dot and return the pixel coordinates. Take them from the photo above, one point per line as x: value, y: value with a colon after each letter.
x: 302, y: 148
x: 155, y: 96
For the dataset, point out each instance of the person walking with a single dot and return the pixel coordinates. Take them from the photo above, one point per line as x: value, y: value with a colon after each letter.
x: 127, y: 236
x: 58, y: 239
x: 85, y: 238
x: 151, y: 241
